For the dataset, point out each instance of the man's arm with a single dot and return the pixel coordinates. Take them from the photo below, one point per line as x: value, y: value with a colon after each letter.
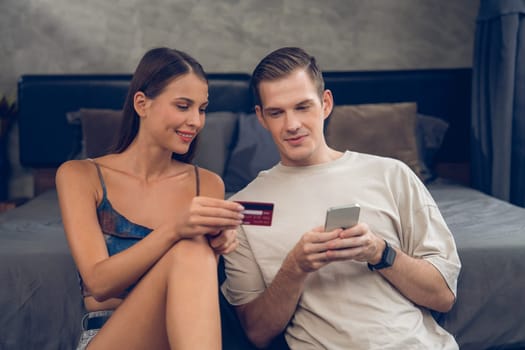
x: 268, y: 315
x: 415, y: 278
x: 419, y: 281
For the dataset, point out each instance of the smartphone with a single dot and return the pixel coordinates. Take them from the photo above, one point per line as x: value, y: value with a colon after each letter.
x: 342, y: 217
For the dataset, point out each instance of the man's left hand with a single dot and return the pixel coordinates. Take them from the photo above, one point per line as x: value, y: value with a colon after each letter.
x: 356, y: 243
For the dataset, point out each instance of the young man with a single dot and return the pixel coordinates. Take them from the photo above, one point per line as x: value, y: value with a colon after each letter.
x: 370, y: 286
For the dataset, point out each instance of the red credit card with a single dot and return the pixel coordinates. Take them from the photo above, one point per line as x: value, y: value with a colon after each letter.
x: 257, y: 213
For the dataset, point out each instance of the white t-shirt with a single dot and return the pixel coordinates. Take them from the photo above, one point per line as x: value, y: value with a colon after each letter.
x: 345, y: 305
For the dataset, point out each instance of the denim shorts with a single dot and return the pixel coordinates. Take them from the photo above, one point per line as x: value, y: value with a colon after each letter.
x: 91, y: 324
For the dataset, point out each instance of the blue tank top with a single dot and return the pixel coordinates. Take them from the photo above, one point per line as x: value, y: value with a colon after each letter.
x: 119, y: 232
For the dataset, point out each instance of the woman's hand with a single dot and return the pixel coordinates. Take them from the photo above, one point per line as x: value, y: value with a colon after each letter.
x: 207, y: 215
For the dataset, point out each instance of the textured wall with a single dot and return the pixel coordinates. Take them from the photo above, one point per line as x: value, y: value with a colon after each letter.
x: 99, y: 36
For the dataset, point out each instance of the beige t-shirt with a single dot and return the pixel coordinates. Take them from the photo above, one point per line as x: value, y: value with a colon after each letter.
x: 345, y: 305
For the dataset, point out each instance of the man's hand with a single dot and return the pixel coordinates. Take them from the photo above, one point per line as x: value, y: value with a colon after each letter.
x: 317, y: 248
x: 224, y: 242
x: 310, y: 253
x: 356, y: 243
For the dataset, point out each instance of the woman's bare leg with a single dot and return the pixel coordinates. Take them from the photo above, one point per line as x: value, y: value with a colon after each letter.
x: 174, y: 306
x: 194, y: 295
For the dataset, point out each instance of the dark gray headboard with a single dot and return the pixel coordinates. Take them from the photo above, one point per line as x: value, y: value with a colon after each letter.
x: 443, y: 93
x: 47, y: 140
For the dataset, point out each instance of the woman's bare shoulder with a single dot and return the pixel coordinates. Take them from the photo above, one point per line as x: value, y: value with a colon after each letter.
x: 209, y: 174
x: 75, y: 171
x: 211, y: 183
x: 74, y: 167
x: 82, y: 167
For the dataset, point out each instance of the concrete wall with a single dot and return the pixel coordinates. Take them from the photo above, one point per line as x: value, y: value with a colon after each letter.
x: 98, y: 36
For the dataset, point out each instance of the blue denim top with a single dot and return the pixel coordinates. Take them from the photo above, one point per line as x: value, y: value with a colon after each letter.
x: 119, y: 232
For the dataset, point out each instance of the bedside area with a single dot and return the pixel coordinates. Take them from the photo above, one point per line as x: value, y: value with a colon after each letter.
x: 8, y: 204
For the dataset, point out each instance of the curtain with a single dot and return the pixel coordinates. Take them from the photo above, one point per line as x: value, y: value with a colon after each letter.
x: 498, y: 101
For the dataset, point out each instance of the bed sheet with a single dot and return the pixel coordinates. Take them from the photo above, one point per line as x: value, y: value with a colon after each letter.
x: 39, y: 293
x: 490, y: 237
x: 41, y: 304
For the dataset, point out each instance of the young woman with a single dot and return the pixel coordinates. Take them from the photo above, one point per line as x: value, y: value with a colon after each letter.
x: 145, y: 226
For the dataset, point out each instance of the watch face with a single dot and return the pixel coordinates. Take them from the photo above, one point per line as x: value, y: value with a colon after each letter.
x: 387, y: 259
x: 390, y: 256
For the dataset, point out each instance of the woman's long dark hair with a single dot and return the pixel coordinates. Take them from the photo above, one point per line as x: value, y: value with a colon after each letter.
x: 157, y: 68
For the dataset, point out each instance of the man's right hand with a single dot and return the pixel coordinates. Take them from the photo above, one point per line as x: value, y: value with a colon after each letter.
x: 310, y: 253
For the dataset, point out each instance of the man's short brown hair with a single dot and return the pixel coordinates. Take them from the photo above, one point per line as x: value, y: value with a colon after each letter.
x: 281, y: 63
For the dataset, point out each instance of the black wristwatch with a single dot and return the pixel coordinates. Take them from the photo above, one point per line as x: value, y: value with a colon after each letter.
x: 387, y: 258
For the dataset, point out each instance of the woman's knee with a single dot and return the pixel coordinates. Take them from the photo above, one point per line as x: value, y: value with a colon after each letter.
x: 192, y: 252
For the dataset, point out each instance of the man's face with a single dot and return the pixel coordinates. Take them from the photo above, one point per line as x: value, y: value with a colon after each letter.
x: 293, y: 112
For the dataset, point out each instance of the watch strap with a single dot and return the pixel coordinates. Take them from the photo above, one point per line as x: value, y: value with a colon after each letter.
x: 387, y: 258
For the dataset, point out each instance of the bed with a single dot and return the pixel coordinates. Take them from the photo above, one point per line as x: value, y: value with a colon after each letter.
x: 39, y: 297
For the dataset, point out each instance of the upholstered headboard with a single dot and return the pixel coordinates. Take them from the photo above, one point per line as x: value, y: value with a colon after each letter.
x: 47, y: 139
x: 443, y: 93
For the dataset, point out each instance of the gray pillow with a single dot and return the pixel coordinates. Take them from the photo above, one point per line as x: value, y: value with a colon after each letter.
x: 430, y: 134
x: 383, y: 129
x: 215, y: 141
x: 100, y: 129
x: 254, y: 151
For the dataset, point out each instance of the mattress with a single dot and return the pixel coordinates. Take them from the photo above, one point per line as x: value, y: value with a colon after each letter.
x: 490, y: 237
x: 39, y: 297
x: 41, y: 304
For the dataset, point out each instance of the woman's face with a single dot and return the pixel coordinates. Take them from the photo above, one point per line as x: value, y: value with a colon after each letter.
x: 173, y: 118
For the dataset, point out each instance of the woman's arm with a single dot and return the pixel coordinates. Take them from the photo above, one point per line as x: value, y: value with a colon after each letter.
x: 77, y: 184
x: 224, y: 241
x: 105, y: 276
